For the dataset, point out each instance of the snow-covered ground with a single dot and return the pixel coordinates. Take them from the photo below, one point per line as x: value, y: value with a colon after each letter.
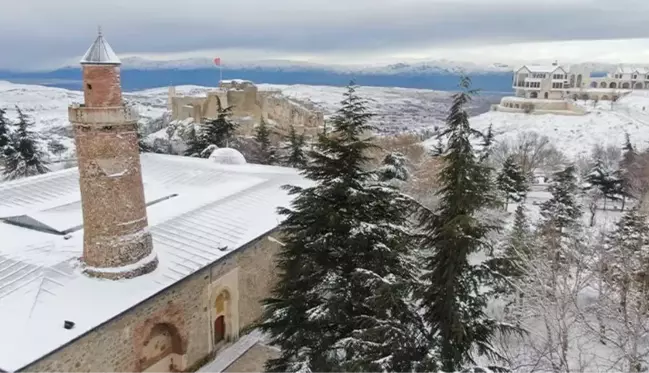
x: 604, y: 124
x: 396, y: 109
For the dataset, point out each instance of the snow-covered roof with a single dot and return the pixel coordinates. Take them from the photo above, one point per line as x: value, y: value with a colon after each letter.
x: 631, y: 70
x: 198, y: 212
x: 541, y: 68
x: 100, y: 53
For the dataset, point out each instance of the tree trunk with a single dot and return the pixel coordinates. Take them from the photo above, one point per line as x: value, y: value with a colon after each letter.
x: 623, y: 202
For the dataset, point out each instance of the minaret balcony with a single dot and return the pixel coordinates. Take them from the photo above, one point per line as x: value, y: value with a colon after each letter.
x: 103, y: 116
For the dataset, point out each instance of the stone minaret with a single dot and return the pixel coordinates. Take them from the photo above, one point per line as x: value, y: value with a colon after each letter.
x: 116, y: 241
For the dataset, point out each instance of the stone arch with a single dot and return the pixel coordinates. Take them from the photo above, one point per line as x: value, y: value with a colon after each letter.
x: 638, y: 86
x: 162, y: 349
x: 534, y: 95
x: 222, y: 322
x: 602, y: 85
x: 593, y: 85
x: 625, y: 85
x: 612, y: 85
x: 604, y: 97
x: 579, y: 79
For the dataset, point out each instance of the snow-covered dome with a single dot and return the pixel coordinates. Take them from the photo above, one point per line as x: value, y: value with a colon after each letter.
x: 227, y: 156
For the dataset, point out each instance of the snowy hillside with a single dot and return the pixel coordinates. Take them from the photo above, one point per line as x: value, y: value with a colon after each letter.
x: 396, y: 109
x: 576, y: 135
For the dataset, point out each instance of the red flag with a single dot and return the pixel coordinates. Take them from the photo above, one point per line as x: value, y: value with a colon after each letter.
x: 217, y: 61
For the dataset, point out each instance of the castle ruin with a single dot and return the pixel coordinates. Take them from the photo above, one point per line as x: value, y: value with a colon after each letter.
x: 249, y: 106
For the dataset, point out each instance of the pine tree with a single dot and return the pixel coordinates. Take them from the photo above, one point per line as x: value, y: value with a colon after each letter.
x: 217, y: 132
x: 512, y: 181
x: 394, y: 167
x: 603, y: 179
x: 25, y: 158
x: 5, y: 138
x: 196, y: 144
x: 487, y: 144
x: 560, y: 218
x: 627, y: 254
x: 296, y: 157
x: 342, y: 302
x: 518, y: 244
x: 453, y: 299
x: 625, y: 171
x: 262, y: 137
x: 142, y: 144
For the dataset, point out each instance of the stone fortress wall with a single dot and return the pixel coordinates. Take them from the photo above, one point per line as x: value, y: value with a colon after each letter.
x: 249, y: 105
x: 176, y: 329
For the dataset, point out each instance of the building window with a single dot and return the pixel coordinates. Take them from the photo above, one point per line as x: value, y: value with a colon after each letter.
x: 558, y: 76
x: 545, y: 95
x: 635, y: 76
x: 219, y: 329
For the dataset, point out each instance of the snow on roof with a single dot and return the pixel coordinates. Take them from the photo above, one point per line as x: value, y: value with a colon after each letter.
x: 198, y: 212
x: 541, y: 68
x: 100, y: 52
x: 631, y: 70
x: 227, y: 156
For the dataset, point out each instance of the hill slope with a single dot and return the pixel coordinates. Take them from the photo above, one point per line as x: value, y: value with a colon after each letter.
x: 605, y: 124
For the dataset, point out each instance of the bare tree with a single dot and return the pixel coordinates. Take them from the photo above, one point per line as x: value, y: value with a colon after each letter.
x: 531, y: 151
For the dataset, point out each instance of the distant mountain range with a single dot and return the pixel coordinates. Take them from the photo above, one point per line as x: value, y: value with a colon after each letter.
x: 139, y: 73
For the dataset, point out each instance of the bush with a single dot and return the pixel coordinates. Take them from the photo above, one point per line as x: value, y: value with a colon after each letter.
x: 527, y: 107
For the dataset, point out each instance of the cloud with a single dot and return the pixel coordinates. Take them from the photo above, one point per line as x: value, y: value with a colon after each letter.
x: 40, y: 32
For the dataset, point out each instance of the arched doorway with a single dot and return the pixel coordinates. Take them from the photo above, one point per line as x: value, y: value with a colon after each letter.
x: 534, y: 95
x: 613, y: 85
x: 222, y: 327
x: 625, y: 85
x: 638, y: 86
x: 593, y: 85
x: 602, y: 85
x: 162, y: 350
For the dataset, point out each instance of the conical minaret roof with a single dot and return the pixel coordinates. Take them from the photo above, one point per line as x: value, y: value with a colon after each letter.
x: 100, y: 53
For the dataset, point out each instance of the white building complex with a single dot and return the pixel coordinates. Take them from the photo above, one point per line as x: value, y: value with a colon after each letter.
x: 553, y: 88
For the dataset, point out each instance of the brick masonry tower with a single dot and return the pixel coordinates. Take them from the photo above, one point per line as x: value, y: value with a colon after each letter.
x: 116, y: 240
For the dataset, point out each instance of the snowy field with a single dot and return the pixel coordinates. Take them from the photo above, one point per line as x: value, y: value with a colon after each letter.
x: 576, y: 135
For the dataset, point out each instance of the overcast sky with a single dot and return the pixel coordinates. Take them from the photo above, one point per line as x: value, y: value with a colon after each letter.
x: 36, y: 33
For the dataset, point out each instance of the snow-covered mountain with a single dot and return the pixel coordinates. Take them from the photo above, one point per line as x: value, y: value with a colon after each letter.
x: 418, y: 67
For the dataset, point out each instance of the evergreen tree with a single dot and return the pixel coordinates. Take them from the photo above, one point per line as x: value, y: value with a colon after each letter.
x: 487, y: 143
x: 5, y: 138
x: 562, y: 210
x: 142, y: 144
x: 603, y: 179
x: 453, y: 299
x: 295, y: 149
x: 518, y: 243
x: 25, y: 158
x: 624, y: 173
x: 195, y: 142
x: 213, y: 133
x: 262, y: 137
x: 394, y: 167
x: 560, y: 220
x: 627, y: 254
x: 342, y: 302
x: 512, y: 181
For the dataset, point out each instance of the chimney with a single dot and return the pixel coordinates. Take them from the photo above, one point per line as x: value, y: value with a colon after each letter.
x: 116, y: 241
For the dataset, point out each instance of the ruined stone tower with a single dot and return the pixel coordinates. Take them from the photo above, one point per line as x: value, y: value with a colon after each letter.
x: 116, y: 241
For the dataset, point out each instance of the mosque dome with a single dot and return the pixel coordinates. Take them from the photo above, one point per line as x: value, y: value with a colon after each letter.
x: 227, y: 156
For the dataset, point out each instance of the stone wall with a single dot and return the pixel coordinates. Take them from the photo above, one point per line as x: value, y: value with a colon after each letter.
x: 179, y: 315
x: 248, y: 107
